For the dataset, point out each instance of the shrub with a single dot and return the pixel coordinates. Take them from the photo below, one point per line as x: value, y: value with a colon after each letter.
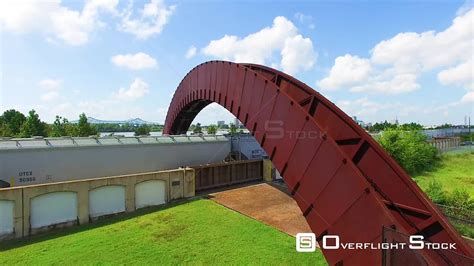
x: 409, y: 149
x: 142, y: 130
x: 436, y: 193
x: 462, y: 202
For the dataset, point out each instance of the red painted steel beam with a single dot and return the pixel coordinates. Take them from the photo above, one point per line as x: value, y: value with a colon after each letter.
x: 343, y: 181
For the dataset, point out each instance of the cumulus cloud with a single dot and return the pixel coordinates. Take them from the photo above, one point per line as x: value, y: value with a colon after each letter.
x: 74, y: 27
x: 150, y: 21
x: 397, y: 63
x: 50, y: 89
x: 348, y: 70
x: 191, y: 52
x: 460, y: 75
x: 52, y: 19
x: 468, y: 97
x: 363, y: 107
x: 134, y: 61
x: 137, y: 89
x: 295, y: 52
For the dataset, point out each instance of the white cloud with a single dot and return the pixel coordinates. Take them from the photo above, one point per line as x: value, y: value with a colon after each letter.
x: 191, y: 52
x: 137, y: 90
x: 50, y: 84
x: 50, y: 96
x: 363, y: 107
x: 262, y: 47
x: 297, y: 55
x: 74, y: 27
x: 52, y: 19
x: 50, y: 88
x: 134, y: 61
x: 460, y: 75
x: 468, y: 97
x: 347, y: 71
x: 397, y: 63
x: 305, y: 20
x: 389, y: 81
x: 468, y: 5
x: 213, y: 113
x: 151, y: 21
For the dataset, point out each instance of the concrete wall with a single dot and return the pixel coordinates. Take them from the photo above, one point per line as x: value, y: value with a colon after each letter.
x: 444, y: 144
x: 32, y: 209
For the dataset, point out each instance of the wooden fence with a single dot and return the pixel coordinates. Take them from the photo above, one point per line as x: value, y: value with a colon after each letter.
x: 218, y: 175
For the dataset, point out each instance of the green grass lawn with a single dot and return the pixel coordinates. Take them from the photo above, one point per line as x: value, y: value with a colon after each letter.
x: 454, y: 171
x: 197, y: 232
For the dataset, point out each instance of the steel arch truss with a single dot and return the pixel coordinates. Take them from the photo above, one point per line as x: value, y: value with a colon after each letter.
x: 343, y: 181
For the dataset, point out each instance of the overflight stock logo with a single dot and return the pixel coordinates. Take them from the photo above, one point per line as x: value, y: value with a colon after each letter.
x: 306, y: 242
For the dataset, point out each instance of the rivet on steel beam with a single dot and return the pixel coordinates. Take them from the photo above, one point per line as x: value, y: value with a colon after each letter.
x: 367, y: 190
x: 344, y: 161
x: 291, y: 102
x: 266, y: 81
x: 307, y: 118
x: 324, y: 136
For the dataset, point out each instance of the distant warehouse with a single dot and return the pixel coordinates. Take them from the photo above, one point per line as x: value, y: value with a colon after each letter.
x: 38, y: 160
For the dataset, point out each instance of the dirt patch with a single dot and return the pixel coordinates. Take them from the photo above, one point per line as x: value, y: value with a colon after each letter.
x: 266, y: 204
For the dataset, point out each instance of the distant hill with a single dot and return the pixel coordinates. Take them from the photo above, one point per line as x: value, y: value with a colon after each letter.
x: 133, y: 121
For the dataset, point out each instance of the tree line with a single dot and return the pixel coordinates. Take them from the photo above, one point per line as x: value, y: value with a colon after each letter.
x: 197, y: 129
x: 382, y: 126
x: 15, y: 124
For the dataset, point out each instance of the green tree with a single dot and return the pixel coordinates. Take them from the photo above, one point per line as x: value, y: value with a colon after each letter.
x: 5, y: 130
x: 142, y: 130
x: 71, y: 130
x: 446, y: 125
x: 11, y: 122
x: 232, y: 129
x: 411, y: 126
x: 409, y: 149
x: 211, y: 129
x: 33, y: 126
x: 58, y: 128
x: 84, y: 128
x: 197, y: 129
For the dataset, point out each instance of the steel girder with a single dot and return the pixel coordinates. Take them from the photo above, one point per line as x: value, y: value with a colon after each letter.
x: 343, y: 181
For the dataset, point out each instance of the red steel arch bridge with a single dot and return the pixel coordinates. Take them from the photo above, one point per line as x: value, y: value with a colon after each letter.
x: 343, y: 181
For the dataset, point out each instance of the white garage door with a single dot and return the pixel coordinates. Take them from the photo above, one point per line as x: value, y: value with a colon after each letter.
x: 150, y: 193
x: 53, y: 208
x: 6, y: 217
x: 106, y: 200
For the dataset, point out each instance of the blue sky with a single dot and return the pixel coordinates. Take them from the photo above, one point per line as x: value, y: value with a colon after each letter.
x: 120, y: 60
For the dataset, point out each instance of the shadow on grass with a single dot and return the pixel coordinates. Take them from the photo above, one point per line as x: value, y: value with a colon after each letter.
x: 56, y: 233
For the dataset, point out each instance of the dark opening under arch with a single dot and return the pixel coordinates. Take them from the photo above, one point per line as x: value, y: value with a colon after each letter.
x: 343, y: 181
